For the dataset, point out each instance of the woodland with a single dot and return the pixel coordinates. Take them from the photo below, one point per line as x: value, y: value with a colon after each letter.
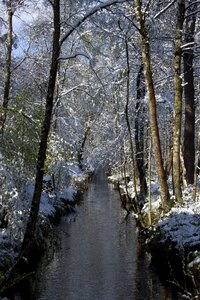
x: 110, y: 85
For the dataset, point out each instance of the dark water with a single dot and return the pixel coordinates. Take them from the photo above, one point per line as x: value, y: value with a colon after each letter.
x: 98, y: 256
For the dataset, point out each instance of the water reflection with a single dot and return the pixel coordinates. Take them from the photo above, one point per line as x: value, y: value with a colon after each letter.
x: 98, y: 257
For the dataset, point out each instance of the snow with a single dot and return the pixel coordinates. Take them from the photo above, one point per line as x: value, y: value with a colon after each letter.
x: 195, y: 261
x: 68, y: 193
x: 180, y: 226
x: 46, y: 207
x: 182, y: 223
x: 154, y: 206
x: 16, y: 200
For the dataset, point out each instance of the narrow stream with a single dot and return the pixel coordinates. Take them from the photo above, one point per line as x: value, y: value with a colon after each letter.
x: 98, y: 256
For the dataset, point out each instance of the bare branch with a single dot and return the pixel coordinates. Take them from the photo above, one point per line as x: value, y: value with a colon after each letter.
x: 74, y: 56
x: 147, y: 6
x: 51, y: 2
x: 23, y: 59
x: 19, y: 64
x: 193, y: 13
x: 134, y: 25
x: 20, y: 112
x: 191, y: 4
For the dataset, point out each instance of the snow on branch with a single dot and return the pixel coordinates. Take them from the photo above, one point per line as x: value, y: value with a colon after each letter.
x: 191, y: 44
x: 164, y: 9
x: 89, y: 14
x: 71, y: 90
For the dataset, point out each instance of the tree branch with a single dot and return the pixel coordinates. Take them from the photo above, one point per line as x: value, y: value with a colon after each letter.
x: 193, y: 13
x: 164, y: 9
x: 51, y: 2
x: 89, y: 14
x: 74, y: 56
x: 191, y: 4
x: 147, y: 6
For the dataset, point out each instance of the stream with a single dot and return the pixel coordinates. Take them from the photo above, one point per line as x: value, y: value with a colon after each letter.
x: 97, y: 255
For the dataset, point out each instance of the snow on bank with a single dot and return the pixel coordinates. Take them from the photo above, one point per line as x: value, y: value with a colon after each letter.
x: 180, y: 226
x: 15, y: 201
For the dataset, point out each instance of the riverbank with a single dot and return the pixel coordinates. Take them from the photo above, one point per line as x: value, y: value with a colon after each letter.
x: 58, y: 197
x: 94, y: 253
x: 173, y: 238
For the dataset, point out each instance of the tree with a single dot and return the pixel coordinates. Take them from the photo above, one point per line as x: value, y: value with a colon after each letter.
x: 132, y: 152
x: 11, y: 7
x: 57, y: 44
x: 139, y: 131
x: 189, y: 93
x: 145, y: 48
x: 32, y: 221
x: 7, y: 80
x: 177, y: 101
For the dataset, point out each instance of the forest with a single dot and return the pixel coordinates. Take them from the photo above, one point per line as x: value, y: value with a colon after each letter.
x: 92, y: 85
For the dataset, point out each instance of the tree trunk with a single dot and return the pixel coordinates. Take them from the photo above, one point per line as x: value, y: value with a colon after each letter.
x: 152, y: 104
x: 178, y: 102
x: 189, y: 129
x: 129, y: 128
x: 81, y: 149
x: 139, y: 132
x: 149, y: 192
x: 32, y: 221
x: 197, y: 168
x: 9, y: 42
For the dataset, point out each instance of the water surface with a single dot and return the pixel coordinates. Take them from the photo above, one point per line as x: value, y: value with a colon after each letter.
x: 98, y: 256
